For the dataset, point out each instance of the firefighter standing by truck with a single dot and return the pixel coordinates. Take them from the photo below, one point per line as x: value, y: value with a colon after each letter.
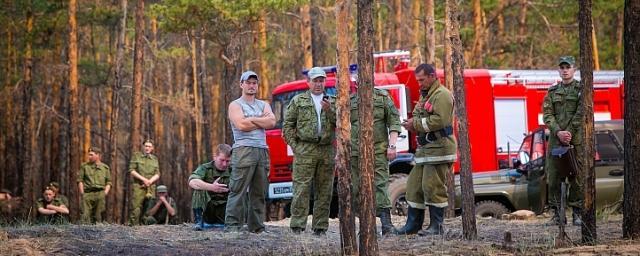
x: 308, y: 127
x: 563, y: 114
x: 386, y: 127
x: 426, y: 186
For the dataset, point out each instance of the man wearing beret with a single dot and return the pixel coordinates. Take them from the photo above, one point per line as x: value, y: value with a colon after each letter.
x: 145, y: 171
x: 563, y: 114
x: 161, y: 209
x: 94, y: 183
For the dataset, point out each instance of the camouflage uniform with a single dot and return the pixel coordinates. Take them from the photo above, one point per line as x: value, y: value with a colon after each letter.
x: 57, y: 218
x: 427, y: 181
x: 562, y: 111
x: 147, y: 166
x: 208, y: 204
x: 162, y: 215
x: 94, y: 177
x: 385, y: 120
x: 313, y: 162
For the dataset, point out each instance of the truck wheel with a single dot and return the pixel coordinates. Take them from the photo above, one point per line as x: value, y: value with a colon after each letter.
x: 397, y: 190
x: 491, y: 208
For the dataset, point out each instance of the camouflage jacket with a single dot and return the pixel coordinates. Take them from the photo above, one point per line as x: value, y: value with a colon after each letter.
x: 562, y: 110
x: 209, y: 173
x: 385, y: 120
x: 301, y: 122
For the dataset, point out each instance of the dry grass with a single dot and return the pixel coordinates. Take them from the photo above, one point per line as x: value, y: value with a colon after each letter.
x: 529, y: 238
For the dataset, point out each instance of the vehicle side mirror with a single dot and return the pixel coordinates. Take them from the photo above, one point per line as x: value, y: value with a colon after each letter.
x: 523, y: 157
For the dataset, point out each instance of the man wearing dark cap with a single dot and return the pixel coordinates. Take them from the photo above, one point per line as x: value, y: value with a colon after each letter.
x: 145, y: 171
x: 433, y: 122
x: 55, y: 186
x: 309, y: 128
x: 161, y: 209
x: 249, y: 118
x: 94, y: 183
x: 563, y: 114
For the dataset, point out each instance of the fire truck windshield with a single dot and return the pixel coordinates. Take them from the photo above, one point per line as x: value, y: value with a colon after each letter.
x: 280, y: 102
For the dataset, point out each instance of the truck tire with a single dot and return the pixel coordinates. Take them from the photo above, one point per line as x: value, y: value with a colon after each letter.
x: 397, y: 190
x: 491, y: 208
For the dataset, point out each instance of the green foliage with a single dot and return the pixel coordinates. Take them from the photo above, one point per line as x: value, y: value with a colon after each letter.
x: 93, y: 74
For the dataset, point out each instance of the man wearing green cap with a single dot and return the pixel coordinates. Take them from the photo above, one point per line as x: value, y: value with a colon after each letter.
x: 94, y: 183
x: 161, y: 209
x: 563, y: 114
x: 309, y: 124
x: 145, y: 171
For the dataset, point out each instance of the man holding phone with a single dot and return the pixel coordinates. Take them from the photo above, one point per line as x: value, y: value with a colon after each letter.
x: 308, y: 127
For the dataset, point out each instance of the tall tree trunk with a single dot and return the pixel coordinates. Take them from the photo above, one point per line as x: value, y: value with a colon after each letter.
x: 28, y: 148
x: 448, y: 82
x: 522, y: 21
x: 74, y: 110
x: 416, y: 56
x: 261, y: 43
x: 368, y: 242
x: 230, y: 81
x: 379, y: 27
x: 205, y: 88
x: 619, y: 38
x: 589, y: 234
x: 197, y: 114
x: 138, y: 73
x: 156, y: 112
x: 430, y: 35
x: 86, y: 123
x: 397, y: 23
x: 343, y: 126
x: 595, y: 55
x: 305, y: 36
x: 464, y: 148
x: 318, y: 36
x: 631, y: 209
x: 500, y: 20
x: 478, y: 39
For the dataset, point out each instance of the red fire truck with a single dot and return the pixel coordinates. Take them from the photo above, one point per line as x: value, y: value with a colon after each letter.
x: 502, y: 107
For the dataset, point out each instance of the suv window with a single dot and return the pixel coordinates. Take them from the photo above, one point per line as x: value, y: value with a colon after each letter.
x: 607, y: 147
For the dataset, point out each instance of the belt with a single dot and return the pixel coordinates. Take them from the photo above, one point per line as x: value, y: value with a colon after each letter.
x: 432, y: 136
x: 91, y: 190
x: 316, y: 140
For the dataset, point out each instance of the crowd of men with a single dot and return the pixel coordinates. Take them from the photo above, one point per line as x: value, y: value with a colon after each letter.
x: 230, y: 190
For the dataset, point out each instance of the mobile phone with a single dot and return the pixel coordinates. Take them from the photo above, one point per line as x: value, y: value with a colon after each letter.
x: 325, y: 98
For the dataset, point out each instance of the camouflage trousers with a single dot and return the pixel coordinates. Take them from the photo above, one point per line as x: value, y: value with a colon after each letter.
x: 136, y: 201
x: 93, y: 205
x: 575, y: 192
x: 427, y: 185
x: 250, y: 167
x: 380, y: 179
x: 312, y: 174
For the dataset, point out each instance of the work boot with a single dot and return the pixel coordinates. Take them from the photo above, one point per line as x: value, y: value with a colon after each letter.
x: 197, y: 219
x: 436, y: 217
x: 577, y: 216
x: 385, y: 219
x: 415, y: 219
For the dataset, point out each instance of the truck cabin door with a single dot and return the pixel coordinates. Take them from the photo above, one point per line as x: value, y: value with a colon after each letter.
x: 398, y: 94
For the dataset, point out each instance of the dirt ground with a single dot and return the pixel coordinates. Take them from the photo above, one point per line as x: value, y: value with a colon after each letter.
x: 530, y: 237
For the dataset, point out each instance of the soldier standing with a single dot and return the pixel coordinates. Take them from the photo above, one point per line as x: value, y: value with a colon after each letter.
x: 386, y: 127
x: 94, y: 183
x: 145, y: 171
x: 563, y: 114
x: 426, y: 186
x: 209, y: 183
x: 250, y: 159
x: 308, y: 127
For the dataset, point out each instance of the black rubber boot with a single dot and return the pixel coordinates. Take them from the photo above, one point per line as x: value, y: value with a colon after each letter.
x: 385, y: 219
x: 436, y: 217
x: 577, y: 216
x: 415, y: 219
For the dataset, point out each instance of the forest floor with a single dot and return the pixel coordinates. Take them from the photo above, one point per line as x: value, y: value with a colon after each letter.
x: 530, y: 237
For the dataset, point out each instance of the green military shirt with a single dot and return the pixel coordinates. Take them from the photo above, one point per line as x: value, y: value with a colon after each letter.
x: 63, y: 199
x: 162, y: 213
x: 209, y: 173
x: 94, y: 176
x: 434, y: 112
x: 301, y: 122
x: 53, y: 218
x: 145, y: 165
x: 41, y: 203
x: 385, y: 120
x: 562, y: 111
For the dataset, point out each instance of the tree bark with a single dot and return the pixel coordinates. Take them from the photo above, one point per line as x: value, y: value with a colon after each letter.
x: 416, y: 56
x: 74, y: 110
x: 631, y: 210
x: 619, y: 37
x: 430, y: 35
x: 28, y: 148
x: 261, y: 42
x: 343, y: 127
x: 197, y: 113
x: 479, y: 38
x: 368, y: 242
x: 522, y: 21
x: 379, y: 27
x: 205, y: 88
x: 138, y: 79
x: 448, y: 83
x: 500, y: 20
x: 318, y: 36
x: 230, y: 81
x: 305, y: 36
x: 595, y: 54
x: 589, y: 234
x: 397, y: 23
x: 464, y: 148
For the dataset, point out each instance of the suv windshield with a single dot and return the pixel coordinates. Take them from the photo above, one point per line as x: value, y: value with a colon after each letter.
x: 280, y: 102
